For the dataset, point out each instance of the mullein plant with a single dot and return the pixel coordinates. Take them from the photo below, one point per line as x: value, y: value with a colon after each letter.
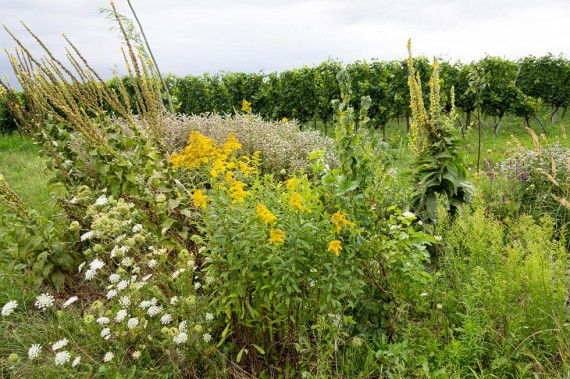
x: 440, y: 173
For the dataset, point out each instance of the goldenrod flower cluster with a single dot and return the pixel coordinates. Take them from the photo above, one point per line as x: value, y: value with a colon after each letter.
x: 199, y: 199
x: 246, y: 106
x: 296, y: 201
x: 265, y: 214
x: 200, y: 150
x: 339, y: 220
x: 335, y: 247
x: 276, y: 236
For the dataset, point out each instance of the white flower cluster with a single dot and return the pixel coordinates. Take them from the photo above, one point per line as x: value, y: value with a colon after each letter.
x: 9, y: 307
x: 44, y: 301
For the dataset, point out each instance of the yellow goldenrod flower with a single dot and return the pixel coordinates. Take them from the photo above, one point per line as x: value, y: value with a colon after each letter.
x: 284, y: 120
x: 200, y: 149
x: 265, y: 214
x: 276, y: 236
x: 237, y: 192
x: 296, y: 201
x: 246, y: 106
x: 335, y: 246
x: 232, y: 144
x: 292, y: 183
x: 339, y: 221
x: 200, y: 199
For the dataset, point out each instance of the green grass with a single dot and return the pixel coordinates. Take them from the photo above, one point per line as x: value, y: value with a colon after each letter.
x: 26, y: 172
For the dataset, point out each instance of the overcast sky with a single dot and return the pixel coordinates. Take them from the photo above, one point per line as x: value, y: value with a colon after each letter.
x: 197, y: 36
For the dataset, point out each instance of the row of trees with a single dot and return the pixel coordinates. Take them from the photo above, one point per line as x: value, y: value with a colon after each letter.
x: 498, y: 86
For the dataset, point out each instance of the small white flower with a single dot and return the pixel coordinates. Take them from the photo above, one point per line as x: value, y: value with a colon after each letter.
x: 89, y: 274
x: 423, y: 294
x: 44, y: 301
x: 408, y: 214
x: 137, y: 228
x: 152, y: 263
x: 439, y: 306
x: 125, y: 301
x: 197, y: 285
x: 102, y: 200
x: 76, y: 361
x: 97, y: 264
x: 111, y: 294
x: 103, y: 320
x: 133, y: 323
x: 174, y: 300
x: 70, y: 301
x: 182, y: 326
x: 34, y: 351
x: 165, y: 319
x: 62, y: 358
x: 74, y: 200
x: 209, y: 279
x: 312, y: 283
x: 81, y: 267
x: 87, y: 235
x: 108, y: 357
x: 176, y: 273
x: 121, y: 315
x: 122, y: 285
x: 136, y: 354
x: 438, y: 238
x: 154, y: 310
x: 144, y: 279
x: 9, y: 307
x: 105, y: 333
x: 180, y: 338
x: 207, y: 337
x: 209, y: 317
x: 114, y: 278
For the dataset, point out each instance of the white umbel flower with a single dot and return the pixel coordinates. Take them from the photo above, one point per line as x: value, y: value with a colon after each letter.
x: 133, y: 323
x: 121, y: 315
x: 209, y: 317
x: 136, y: 354
x: 102, y: 200
x: 182, y: 326
x: 180, y: 338
x: 152, y: 263
x: 9, y: 307
x: 154, y: 310
x: 103, y: 320
x: 76, y: 361
x: 59, y: 344
x: 70, y: 301
x: 137, y: 228
x: 108, y: 357
x: 125, y: 301
x: 111, y: 294
x: 44, y: 301
x: 166, y: 319
x: 34, y: 351
x: 114, y: 278
x: 174, y: 300
x: 106, y: 333
x: 62, y: 358
x: 87, y: 235
x: 207, y: 337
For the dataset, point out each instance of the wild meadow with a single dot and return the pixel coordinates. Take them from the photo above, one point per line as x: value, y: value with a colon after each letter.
x: 139, y: 243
